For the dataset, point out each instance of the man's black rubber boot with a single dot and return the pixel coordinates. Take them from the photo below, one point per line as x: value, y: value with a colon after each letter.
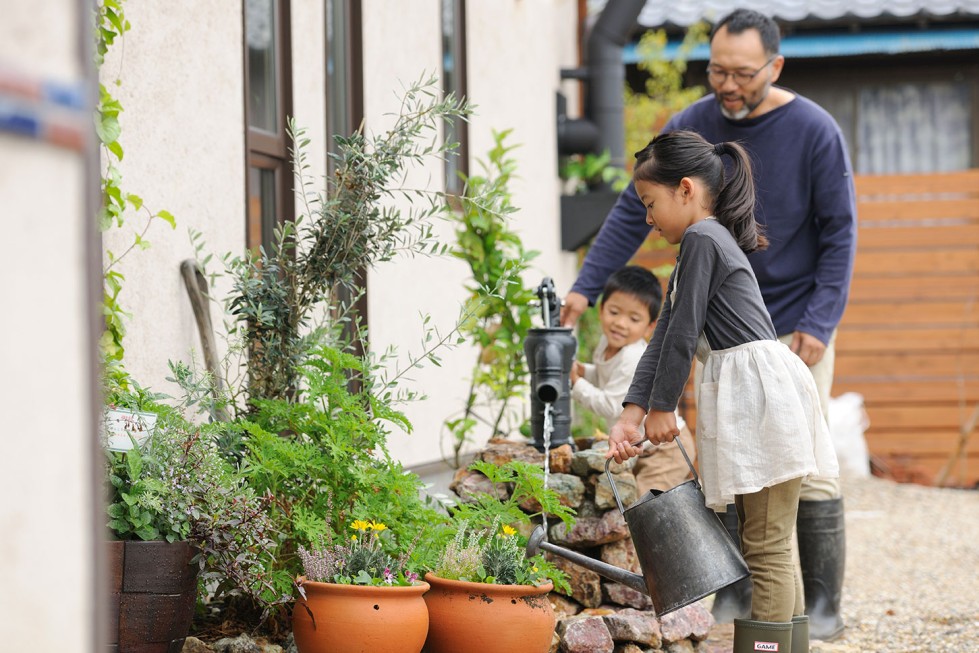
x: 822, y: 554
x: 734, y: 601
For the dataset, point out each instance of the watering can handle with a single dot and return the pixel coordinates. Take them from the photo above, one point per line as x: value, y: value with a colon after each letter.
x: 615, y: 490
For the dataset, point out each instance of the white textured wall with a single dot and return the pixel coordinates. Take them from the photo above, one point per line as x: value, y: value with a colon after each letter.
x: 47, y: 515
x: 515, y: 51
x: 183, y: 129
x: 180, y: 68
x: 309, y: 83
x: 521, y: 47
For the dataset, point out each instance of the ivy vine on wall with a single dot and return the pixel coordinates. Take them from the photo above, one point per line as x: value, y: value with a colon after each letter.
x: 117, y: 201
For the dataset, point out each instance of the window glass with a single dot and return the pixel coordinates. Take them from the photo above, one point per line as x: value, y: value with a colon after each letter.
x: 260, y: 31
x: 914, y: 128
x: 261, y: 206
x: 338, y: 70
x: 453, y: 81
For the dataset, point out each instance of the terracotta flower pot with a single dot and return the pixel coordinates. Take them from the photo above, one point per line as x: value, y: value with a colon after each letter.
x: 488, y: 618
x: 360, y: 619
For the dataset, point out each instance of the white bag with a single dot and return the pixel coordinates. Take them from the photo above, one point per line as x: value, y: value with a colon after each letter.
x: 848, y: 421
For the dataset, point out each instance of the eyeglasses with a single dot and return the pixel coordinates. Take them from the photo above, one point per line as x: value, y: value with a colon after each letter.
x: 718, y: 76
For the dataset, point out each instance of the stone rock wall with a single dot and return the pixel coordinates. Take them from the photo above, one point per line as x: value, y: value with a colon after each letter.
x: 600, y: 615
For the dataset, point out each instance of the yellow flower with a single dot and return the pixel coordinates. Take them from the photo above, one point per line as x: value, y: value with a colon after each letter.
x: 360, y: 525
x: 353, y: 538
x: 378, y: 526
x: 509, y: 531
x: 534, y: 569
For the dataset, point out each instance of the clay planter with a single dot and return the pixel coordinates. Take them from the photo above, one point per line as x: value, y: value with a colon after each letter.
x: 152, y: 593
x: 360, y: 619
x: 488, y: 618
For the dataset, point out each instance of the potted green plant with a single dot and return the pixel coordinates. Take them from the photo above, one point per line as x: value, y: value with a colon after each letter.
x: 357, y: 596
x: 594, y: 185
x: 311, y: 418
x: 178, y: 517
x: 125, y: 421
x: 483, y: 579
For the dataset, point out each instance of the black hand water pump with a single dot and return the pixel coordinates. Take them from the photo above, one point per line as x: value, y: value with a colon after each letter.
x: 550, y: 354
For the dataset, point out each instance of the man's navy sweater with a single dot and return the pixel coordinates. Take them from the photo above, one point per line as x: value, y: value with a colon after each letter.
x: 805, y: 201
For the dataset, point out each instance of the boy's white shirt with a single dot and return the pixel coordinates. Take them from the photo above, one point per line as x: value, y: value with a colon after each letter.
x: 606, y: 382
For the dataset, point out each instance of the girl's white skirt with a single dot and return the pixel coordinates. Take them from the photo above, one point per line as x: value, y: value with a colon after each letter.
x: 759, y: 422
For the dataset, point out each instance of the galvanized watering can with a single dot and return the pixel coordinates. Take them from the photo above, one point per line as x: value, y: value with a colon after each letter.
x: 684, y: 550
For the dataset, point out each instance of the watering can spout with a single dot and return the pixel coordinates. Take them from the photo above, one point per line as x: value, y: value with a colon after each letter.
x: 627, y: 578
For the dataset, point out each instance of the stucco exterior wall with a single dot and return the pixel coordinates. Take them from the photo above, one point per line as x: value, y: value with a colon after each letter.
x: 183, y: 129
x: 184, y: 134
x: 47, y: 515
x: 514, y: 55
x: 180, y: 68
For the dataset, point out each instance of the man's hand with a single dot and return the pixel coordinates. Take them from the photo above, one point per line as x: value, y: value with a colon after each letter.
x: 624, y: 433
x: 574, y: 305
x: 809, y: 348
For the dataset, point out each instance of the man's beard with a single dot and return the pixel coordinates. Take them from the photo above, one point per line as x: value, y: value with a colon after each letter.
x: 740, y: 114
x: 744, y: 111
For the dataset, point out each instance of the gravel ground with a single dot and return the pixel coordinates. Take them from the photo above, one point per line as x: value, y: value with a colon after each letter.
x: 912, y: 571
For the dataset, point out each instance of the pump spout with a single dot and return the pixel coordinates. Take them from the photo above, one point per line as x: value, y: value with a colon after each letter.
x: 627, y: 578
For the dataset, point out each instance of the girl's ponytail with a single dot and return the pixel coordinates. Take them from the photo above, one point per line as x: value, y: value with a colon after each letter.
x: 735, y: 204
x: 671, y: 156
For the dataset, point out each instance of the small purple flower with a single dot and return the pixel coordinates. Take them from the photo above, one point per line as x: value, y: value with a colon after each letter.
x: 388, y: 576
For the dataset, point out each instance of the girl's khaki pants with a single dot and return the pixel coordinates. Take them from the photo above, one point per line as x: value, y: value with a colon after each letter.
x: 766, y: 523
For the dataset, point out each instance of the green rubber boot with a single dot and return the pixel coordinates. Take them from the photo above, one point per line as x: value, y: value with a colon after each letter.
x: 800, y: 634
x: 753, y: 636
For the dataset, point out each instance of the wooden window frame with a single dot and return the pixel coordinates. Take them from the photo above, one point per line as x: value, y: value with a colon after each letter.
x: 264, y: 149
x: 351, y: 59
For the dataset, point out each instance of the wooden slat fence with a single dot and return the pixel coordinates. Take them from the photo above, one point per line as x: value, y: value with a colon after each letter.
x: 909, y: 340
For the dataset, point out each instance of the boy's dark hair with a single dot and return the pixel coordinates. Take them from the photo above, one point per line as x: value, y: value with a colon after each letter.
x: 638, y: 282
x: 740, y: 20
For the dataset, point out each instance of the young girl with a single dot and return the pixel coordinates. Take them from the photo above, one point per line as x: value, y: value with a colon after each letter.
x: 760, y: 429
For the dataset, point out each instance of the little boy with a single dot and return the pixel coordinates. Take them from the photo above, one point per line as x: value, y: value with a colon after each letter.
x: 628, y: 311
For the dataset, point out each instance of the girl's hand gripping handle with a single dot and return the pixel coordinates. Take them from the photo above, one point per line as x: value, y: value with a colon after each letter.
x: 626, y: 436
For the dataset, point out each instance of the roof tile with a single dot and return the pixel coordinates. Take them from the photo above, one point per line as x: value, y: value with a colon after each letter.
x: 657, y: 13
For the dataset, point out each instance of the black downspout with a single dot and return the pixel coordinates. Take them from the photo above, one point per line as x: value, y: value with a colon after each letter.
x: 603, y: 127
x: 606, y: 74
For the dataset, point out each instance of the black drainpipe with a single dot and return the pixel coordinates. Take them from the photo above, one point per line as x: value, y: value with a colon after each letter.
x: 605, y: 78
x: 606, y: 74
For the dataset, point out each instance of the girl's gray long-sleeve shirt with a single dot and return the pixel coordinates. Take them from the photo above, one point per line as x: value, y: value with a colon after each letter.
x: 715, y: 293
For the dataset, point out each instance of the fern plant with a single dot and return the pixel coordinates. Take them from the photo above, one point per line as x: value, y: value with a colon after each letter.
x: 493, y: 523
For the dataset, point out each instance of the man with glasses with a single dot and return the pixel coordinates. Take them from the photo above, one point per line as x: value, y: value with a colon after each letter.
x: 806, y: 202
